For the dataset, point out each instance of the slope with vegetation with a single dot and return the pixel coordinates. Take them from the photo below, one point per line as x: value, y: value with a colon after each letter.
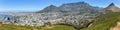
x: 16, y: 27
x: 105, y: 22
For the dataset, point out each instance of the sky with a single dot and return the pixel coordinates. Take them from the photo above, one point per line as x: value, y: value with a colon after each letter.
x: 37, y: 5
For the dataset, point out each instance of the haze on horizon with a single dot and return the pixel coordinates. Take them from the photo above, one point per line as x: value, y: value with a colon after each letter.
x: 37, y: 5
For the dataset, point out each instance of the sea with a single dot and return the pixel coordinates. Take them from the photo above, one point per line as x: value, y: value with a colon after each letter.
x: 2, y: 15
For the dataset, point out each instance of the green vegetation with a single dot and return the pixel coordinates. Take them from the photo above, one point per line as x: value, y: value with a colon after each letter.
x: 57, y: 27
x: 15, y: 27
x: 104, y: 22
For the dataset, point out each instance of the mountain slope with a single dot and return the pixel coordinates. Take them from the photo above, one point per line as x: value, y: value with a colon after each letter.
x: 105, y: 22
x: 50, y: 9
x: 16, y: 27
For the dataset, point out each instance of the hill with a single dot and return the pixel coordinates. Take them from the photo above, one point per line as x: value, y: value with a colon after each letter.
x: 112, y: 7
x: 16, y: 27
x: 105, y: 22
x: 50, y: 9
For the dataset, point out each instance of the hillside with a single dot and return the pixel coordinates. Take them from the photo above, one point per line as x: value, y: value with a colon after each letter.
x: 105, y: 22
x: 16, y: 27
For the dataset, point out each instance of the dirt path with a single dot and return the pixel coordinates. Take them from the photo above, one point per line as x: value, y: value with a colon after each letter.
x: 117, y: 27
x: 49, y: 27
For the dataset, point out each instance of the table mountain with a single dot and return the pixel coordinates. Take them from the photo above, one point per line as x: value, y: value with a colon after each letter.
x: 75, y: 8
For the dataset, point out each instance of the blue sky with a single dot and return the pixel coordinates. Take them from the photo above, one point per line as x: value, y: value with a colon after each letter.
x: 36, y: 5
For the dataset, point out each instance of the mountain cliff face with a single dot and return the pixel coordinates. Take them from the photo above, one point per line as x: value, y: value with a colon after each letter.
x: 75, y: 6
x: 112, y: 8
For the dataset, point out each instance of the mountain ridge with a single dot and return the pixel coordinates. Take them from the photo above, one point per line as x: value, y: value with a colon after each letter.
x: 71, y: 7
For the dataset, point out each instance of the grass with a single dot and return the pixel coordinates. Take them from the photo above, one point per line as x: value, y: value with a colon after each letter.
x: 58, y: 27
x: 105, y: 22
x: 15, y: 27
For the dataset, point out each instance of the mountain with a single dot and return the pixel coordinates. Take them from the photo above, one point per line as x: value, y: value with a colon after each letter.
x: 72, y: 8
x: 49, y: 9
x: 78, y: 8
x: 75, y: 6
x: 112, y: 8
